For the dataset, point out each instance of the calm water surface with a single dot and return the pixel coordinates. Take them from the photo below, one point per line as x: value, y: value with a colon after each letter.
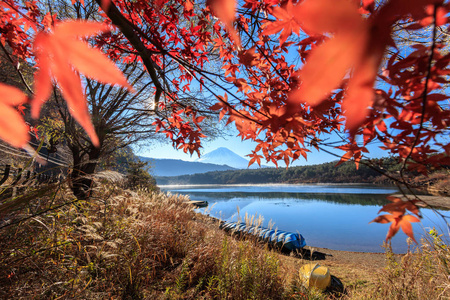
x: 329, y: 216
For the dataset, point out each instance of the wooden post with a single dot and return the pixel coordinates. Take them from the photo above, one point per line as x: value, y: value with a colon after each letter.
x: 5, y: 174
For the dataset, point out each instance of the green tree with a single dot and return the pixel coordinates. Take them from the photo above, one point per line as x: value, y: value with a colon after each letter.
x: 138, y: 176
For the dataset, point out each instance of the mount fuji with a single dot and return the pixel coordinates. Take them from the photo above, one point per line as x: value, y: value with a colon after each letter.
x: 224, y: 156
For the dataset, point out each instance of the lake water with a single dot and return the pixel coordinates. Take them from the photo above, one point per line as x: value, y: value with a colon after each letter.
x: 329, y: 216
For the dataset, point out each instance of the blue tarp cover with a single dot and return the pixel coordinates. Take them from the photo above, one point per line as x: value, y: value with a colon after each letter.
x: 289, y: 240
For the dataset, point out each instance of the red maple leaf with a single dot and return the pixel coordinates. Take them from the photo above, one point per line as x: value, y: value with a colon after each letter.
x: 328, y: 16
x: 188, y: 6
x: 355, y: 45
x: 62, y: 52
x: 35, y: 131
x: 400, y: 206
x: 328, y: 63
x: 248, y: 57
x: 13, y: 129
x: 222, y: 106
x: 325, y: 68
x: 286, y: 22
x: 255, y: 157
x: 399, y: 220
x: 353, y: 150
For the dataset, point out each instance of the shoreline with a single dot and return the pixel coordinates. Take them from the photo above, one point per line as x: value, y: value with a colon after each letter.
x: 429, y: 200
x: 356, y: 270
x: 359, y: 270
x: 275, y: 184
x: 216, y: 222
x: 436, y: 202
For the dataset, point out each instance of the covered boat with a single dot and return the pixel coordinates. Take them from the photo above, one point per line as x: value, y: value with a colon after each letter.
x: 198, y: 203
x: 283, y: 239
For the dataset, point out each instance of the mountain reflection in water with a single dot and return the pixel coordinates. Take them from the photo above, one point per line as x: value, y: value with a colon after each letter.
x: 333, y: 216
x: 357, y: 199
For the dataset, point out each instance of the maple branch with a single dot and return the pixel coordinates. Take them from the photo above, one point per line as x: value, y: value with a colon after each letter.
x: 265, y: 56
x: 126, y: 50
x: 123, y: 24
x: 181, y: 61
x: 51, y: 12
x: 425, y: 91
x: 127, y: 28
x: 245, y: 12
x: 16, y: 68
x: 187, y: 65
x: 226, y: 103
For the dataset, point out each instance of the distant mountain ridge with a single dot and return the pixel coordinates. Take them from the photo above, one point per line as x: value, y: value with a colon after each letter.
x: 221, y: 159
x: 178, y: 167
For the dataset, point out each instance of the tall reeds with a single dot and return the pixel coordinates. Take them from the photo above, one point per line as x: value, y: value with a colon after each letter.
x: 138, y: 245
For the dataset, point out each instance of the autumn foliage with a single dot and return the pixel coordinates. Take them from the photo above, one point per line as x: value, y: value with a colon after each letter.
x: 292, y: 71
x: 397, y: 217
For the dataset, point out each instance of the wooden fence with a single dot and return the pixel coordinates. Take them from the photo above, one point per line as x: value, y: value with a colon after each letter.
x: 20, y: 177
x: 14, y: 180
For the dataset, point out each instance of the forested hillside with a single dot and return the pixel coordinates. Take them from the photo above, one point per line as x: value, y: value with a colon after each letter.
x: 326, y: 173
x: 178, y: 167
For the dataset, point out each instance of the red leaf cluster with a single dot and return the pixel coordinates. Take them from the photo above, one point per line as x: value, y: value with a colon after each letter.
x: 298, y: 70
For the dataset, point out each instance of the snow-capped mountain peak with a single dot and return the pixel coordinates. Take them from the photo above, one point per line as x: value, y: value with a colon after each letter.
x: 224, y: 156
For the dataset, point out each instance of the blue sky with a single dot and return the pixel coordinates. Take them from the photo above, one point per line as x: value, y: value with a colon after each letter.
x: 242, y: 148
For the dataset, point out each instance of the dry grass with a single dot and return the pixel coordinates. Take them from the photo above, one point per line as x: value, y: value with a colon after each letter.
x: 128, y: 245
x: 136, y: 245
x: 421, y: 275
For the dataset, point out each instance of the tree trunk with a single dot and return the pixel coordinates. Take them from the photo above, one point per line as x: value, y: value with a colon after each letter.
x: 80, y: 180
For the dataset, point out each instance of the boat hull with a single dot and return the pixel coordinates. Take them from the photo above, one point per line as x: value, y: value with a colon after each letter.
x: 285, y: 240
